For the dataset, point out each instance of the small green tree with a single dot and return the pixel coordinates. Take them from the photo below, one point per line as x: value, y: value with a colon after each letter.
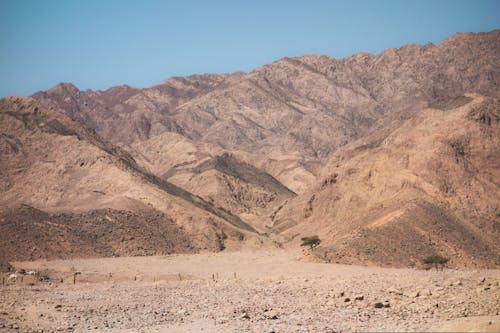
x: 436, y: 261
x: 311, y: 241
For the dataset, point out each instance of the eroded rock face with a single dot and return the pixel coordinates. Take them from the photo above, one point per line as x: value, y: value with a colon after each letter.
x: 426, y: 186
x: 310, y: 105
x: 68, y: 193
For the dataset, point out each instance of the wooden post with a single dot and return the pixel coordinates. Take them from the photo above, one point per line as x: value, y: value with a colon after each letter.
x: 74, y: 278
x: 180, y: 277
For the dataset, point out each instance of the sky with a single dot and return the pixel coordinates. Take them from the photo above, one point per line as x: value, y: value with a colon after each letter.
x: 97, y: 44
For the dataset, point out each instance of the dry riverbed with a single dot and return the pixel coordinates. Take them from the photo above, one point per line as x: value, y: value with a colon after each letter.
x: 267, y: 291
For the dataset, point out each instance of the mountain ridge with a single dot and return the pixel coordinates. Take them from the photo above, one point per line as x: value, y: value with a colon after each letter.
x: 250, y: 159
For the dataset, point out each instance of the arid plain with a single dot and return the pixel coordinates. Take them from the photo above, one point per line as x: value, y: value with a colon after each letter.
x: 257, y: 291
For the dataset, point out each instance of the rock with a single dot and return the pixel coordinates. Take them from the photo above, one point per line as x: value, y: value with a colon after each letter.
x: 412, y: 293
x: 426, y: 292
x: 245, y: 316
x: 58, y: 306
x: 347, y: 299
x: 182, y: 313
x: 379, y: 305
x: 456, y: 283
x: 271, y: 314
x: 481, y: 289
x: 387, y: 304
x: 393, y: 290
x: 359, y: 297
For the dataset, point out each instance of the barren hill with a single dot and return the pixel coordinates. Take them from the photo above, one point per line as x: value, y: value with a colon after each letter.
x: 58, y: 178
x: 295, y: 109
x: 310, y: 104
x: 429, y: 186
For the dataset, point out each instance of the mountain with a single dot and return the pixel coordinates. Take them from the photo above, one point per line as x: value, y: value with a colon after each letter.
x: 59, y: 180
x: 303, y: 108
x: 428, y: 186
x: 387, y: 157
x: 294, y: 102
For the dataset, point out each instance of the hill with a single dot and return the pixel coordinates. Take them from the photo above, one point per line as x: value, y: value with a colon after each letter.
x: 59, y: 180
x: 427, y: 186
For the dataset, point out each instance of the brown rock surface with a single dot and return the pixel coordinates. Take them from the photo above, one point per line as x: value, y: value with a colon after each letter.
x: 311, y: 104
x: 55, y: 166
x: 427, y: 186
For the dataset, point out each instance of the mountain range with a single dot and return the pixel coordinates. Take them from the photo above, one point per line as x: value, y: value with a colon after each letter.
x: 388, y: 158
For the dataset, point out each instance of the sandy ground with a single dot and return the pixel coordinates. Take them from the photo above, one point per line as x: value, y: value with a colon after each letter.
x: 266, y: 291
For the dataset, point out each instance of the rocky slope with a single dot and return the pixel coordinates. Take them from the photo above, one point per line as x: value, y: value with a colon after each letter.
x: 310, y: 104
x: 296, y: 110
x: 61, y: 181
x: 428, y: 186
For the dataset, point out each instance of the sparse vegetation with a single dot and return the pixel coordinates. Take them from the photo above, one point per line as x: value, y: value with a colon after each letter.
x: 436, y: 260
x: 311, y: 241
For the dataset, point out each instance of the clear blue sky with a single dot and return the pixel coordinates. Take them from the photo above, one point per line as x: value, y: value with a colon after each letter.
x: 97, y: 44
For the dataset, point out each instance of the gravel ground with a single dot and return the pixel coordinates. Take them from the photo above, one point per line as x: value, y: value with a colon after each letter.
x: 246, y: 292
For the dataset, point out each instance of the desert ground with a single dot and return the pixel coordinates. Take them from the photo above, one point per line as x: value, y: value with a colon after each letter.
x: 263, y: 291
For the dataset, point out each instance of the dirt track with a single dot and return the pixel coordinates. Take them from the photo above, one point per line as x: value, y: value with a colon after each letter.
x: 246, y: 292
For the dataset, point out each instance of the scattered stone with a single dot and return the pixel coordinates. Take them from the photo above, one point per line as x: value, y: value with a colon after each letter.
x: 347, y: 299
x: 271, y: 314
x: 393, y: 290
x: 359, y: 297
x: 58, y: 306
x: 412, y: 293
x: 379, y: 305
x: 182, y: 313
x: 245, y: 315
x: 426, y: 292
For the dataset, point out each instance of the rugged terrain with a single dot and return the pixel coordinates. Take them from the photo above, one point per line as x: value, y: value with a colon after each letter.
x: 428, y: 186
x: 388, y: 158
x: 294, y: 111
x: 67, y: 193
x: 258, y: 291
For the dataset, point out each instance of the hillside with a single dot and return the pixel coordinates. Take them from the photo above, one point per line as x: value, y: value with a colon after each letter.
x: 310, y: 104
x: 303, y: 108
x: 59, y: 179
x: 428, y: 186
